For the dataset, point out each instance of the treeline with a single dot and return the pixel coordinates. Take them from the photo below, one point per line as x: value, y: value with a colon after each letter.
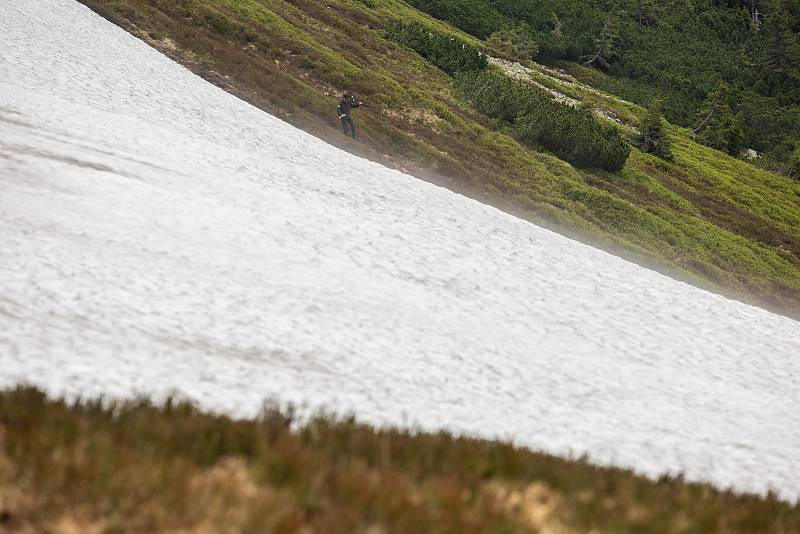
x: 446, y: 52
x: 573, y: 134
x: 675, y: 51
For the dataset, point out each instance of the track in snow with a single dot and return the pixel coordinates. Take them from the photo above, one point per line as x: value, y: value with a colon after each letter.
x: 158, y: 234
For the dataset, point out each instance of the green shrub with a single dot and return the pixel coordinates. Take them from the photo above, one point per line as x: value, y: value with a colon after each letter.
x: 515, y: 44
x: 446, y: 52
x: 476, y: 17
x: 572, y: 134
x: 653, y: 139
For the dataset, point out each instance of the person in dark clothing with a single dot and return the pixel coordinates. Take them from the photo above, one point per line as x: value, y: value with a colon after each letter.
x: 347, y: 103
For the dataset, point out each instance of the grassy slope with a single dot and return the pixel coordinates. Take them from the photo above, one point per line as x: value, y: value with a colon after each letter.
x: 706, y: 218
x: 703, y: 184
x: 140, y: 468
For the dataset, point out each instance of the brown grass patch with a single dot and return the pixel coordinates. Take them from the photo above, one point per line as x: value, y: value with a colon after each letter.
x: 136, y: 467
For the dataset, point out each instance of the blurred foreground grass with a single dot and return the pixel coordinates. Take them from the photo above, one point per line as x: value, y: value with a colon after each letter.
x: 137, y: 467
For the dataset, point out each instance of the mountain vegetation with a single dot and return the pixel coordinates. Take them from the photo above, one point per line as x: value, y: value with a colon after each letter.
x: 443, y: 50
x: 573, y: 134
x: 137, y: 467
x: 514, y: 44
x: 675, y: 50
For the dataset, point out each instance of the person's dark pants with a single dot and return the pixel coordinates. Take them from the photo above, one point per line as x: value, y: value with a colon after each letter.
x: 347, y: 122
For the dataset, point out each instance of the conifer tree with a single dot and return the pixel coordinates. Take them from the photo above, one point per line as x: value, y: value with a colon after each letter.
x: 556, y: 23
x: 721, y: 128
x: 605, y: 43
x: 780, y: 45
x: 653, y: 139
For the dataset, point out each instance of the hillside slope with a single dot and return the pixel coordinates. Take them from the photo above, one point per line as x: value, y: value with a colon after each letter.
x: 162, y: 235
x: 706, y: 218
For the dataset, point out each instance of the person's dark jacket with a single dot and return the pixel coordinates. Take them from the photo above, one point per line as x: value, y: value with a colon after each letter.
x: 345, y: 105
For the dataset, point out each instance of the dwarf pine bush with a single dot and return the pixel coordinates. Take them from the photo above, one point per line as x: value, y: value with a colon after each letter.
x: 446, y: 52
x: 572, y: 134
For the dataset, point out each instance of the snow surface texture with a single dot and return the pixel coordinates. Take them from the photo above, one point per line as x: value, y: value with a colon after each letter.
x: 158, y: 234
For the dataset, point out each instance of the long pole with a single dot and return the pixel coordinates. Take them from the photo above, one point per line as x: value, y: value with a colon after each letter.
x: 365, y: 105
